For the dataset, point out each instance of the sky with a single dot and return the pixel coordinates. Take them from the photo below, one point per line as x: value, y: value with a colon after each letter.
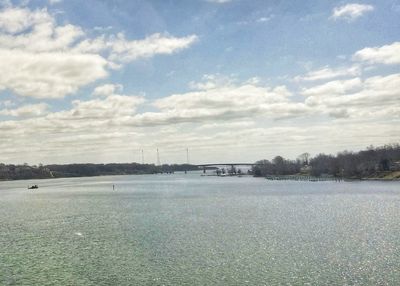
x: 98, y: 81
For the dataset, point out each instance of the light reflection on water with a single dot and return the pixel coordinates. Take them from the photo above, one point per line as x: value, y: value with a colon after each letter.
x: 191, y: 230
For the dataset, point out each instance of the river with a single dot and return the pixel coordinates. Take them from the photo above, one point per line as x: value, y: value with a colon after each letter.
x: 191, y: 230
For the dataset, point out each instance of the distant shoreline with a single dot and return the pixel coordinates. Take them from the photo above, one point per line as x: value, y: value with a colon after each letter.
x: 26, y: 172
x: 277, y: 177
x: 94, y: 176
x: 392, y: 176
x: 373, y: 164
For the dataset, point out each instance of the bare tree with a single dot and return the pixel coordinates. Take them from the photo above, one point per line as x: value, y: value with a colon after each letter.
x: 304, y: 158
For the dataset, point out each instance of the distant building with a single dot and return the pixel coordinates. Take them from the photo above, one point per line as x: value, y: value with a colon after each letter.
x: 395, y: 166
x: 306, y: 169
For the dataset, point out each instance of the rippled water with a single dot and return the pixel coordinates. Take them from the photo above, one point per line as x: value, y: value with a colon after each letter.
x: 191, y: 230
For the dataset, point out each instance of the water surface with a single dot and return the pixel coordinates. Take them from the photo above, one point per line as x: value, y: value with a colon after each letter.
x: 192, y: 230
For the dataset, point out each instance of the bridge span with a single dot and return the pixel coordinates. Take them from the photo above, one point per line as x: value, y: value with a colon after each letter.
x: 231, y: 165
x: 227, y: 164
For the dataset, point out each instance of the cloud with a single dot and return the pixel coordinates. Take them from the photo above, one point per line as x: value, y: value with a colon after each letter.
x: 258, y: 20
x: 14, y: 20
x: 231, y: 101
x: 126, y: 51
x: 265, y: 19
x: 111, y: 107
x: 212, y: 116
x: 222, y: 99
x: 387, y: 54
x: 211, y: 81
x: 67, y: 142
x: 48, y: 75
x: 32, y: 110
x: 42, y: 59
x: 118, y: 49
x: 351, y: 11
x: 370, y: 98
x: 332, y: 88
x: 43, y: 37
x: 329, y: 73
x: 107, y: 89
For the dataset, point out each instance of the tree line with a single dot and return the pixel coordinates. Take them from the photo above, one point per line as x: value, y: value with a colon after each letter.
x: 369, y: 163
x: 21, y: 172
x: 372, y: 162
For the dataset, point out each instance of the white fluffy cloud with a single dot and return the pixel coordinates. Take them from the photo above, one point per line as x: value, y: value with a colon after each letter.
x: 14, y: 20
x: 387, y: 54
x: 223, y: 99
x: 374, y: 96
x: 32, y: 110
x: 333, y: 88
x: 213, y: 116
x: 48, y: 75
x: 351, y: 11
x: 326, y: 73
x: 42, y: 59
x: 117, y: 49
x: 107, y: 89
x: 110, y: 107
x: 126, y: 51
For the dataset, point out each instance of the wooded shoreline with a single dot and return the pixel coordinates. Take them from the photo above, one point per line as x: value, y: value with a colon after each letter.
x: 374, y: 163
x: 26, y: 172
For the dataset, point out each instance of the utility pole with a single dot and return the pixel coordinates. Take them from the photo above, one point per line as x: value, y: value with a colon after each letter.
x: 158, y: 158
x: 142, y: 157
x: 187, y: 158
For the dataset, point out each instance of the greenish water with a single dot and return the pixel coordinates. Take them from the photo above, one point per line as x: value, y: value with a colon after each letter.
x: 191, y: 230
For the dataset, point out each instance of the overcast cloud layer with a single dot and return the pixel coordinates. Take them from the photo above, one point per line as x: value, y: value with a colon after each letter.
x: 74, y: 91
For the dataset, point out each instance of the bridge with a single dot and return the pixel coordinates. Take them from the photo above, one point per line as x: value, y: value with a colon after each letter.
x: 231, y: 165
x: 227, y: 164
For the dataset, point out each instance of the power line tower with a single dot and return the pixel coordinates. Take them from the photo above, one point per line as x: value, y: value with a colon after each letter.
x: 158, y: 158
x: 187, y: 158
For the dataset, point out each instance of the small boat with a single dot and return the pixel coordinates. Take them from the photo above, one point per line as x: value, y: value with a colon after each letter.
x: 33, y: 187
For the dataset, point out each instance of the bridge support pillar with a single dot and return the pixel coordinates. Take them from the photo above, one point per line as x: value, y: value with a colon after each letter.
x: 204, y: 170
